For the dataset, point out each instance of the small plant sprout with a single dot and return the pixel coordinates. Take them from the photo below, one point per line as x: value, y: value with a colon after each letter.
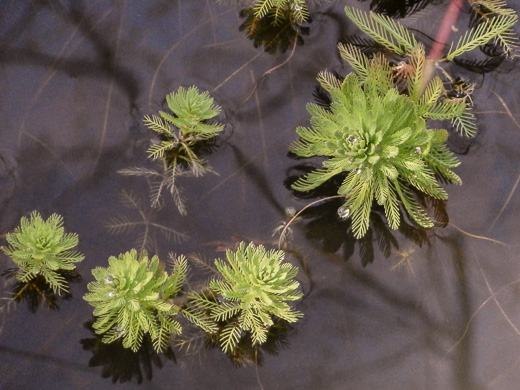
x: 254, y: 285
x: 131, y: 297
x: 181, y: 137
x: 43, y: 248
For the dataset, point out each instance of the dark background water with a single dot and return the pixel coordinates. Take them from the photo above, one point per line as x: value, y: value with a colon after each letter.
x: 76, y: 79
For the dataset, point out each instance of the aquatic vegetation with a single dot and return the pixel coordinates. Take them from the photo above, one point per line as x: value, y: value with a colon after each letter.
x: 180, y: 137
x: 273, y: 32
x: 131, y: 297
x: 380, y: 138
x: 376, y: 132
x: 42, y: 248
x: 278, y: 9
x: 253, y: 286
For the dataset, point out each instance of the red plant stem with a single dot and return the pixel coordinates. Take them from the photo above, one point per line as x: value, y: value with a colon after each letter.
x: 444, y: 31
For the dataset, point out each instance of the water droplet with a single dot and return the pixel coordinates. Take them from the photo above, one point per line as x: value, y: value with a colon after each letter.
x: 110, y: 294
x: 109, y: 279
x: 343, y: 212
x: 352, y: 138
x: 297, y: 8
x: 265, y: 325
x: 418, y: 150
x: 359, y: 170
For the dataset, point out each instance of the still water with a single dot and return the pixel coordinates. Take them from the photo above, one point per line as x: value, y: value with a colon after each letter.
x: 399, y: 310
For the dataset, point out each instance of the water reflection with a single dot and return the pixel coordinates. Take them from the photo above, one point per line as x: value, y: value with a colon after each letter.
x: 120, y: 363
x: 397, y: 8
x: 334, y: 231
x: 282, y: 32
x: 246, y: 353
x: 37, y: 291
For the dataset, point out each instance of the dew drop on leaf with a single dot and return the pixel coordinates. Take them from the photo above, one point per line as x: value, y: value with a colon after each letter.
x: 352, y: 139
x: 109, y: 279
x: 110, y: 294
x: 418, y: 150
x: 343, y: 212
x: 359, y: 170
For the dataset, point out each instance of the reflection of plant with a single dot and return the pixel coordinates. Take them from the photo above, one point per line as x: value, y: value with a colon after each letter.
x: 145, y: 222
x: 279, y: 8
x: 121, y: 364
x: 273, y: 34
x: 130, y: 299
x: 180, y: 135
x: 41, y: 247
x: 255, y: 285
x: 36, y: 291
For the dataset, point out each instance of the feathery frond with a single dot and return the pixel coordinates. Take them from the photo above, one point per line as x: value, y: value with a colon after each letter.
x: 131, y: 297
x: 379, y: 137
x: 254, y: 285
x: 41, y: 247
x: 181, y: 138
x: 497, y: 26
x: 383, y: 30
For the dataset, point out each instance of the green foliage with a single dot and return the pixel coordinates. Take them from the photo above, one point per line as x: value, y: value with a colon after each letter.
x: 497, y: 16
x: 383, y: 30
x: 180, y: 138
x: 43, y: 248
x: 254, y: 285
x: 278, y: 9
x: 378, y: 137
x: 130, y: 298
x: 496, y: 25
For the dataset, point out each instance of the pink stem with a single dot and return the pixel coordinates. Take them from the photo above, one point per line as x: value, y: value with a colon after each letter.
x: 444, y: 31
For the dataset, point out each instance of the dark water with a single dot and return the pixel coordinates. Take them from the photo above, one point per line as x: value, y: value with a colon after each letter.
x: 76, y: 79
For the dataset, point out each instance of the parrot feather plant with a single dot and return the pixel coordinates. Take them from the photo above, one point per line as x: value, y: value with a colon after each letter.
x: 181, y: 136
x: 254, y: 285
x: 133, y: 296
x: 42, y: 248
x: 375, y: 132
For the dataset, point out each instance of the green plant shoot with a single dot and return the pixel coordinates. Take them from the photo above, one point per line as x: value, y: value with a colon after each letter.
x: 130, y: 299
x: 379, y: 139
x: 254, y: 285
x: 43, y: 248
x: 180, y: 136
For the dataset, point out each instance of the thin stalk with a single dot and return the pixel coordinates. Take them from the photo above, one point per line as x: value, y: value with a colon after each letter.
x: 282, y: 234
x: 443, y: 33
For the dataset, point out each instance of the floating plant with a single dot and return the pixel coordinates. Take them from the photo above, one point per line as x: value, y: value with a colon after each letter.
x: 375, y: 132
x: 254, y: 286
x: 42, y: 248
x: 181, y: 136
x: 131, y: 297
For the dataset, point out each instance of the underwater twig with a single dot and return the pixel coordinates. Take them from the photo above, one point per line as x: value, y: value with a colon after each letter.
x: 482, y: 237
x: 282, y: 234
x: 505, y: 203
x: 492, y: 296
x: 293, y: 50
x: 506, y: 108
